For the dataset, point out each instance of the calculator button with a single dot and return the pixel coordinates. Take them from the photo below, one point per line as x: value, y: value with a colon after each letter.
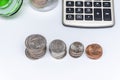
x: 88, y: 4
x: 106, y: 0
x: 106, y: 4
x: 79, y: 3
x: 107, y: 14
x: 97, y: 14
x: 88, y: 17
x: 88, y: 10
x: 69, y: 17
x: 79, y: 17
x: 97, y: 4
x: 69, y: 10
x: 79, y: 10
x: 70, y: 3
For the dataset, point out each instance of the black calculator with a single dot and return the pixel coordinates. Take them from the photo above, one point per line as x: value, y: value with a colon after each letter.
x: 88, y: 13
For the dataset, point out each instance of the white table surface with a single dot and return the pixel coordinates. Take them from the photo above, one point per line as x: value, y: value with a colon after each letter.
x: 14, y: 65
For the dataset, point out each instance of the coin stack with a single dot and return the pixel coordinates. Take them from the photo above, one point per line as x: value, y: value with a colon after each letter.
x: 58, y: 49
x: 35, y: 46
x: 76, y: 49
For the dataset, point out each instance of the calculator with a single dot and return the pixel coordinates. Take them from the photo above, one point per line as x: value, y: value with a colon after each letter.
x: 88, y: 13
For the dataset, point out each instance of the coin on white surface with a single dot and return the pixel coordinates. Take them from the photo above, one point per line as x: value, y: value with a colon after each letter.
x: 76, y: 49
x: 35, y: 46
x: 94, y: 51
x: 58, y: 49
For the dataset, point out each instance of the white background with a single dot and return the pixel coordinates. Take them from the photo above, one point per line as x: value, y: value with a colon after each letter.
x: 14, y: 65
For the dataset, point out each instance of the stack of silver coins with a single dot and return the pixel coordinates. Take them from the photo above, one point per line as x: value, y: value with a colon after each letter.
x: 35, y: 46
x: 76, y: 49
x: 58, y: 49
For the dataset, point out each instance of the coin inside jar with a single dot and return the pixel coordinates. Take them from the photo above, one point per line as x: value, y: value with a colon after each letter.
x: 35, y: 46
x: 39, y: 3
x: 58, y: 49
x: 94, y: 51
x: 76, y: 49
x: 43, y: 5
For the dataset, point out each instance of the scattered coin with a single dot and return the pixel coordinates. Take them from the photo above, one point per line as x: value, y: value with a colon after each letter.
x: 94, y: 51
x: 76, y: 49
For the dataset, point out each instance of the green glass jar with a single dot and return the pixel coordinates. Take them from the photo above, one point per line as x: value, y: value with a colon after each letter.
x: 9, y: 7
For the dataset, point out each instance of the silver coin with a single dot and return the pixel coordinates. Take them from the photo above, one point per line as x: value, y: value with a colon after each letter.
x: 76, y: 49
x: 35, y: 41
x: 35, y: 46
x: 35, y: 55
x: 58, y: 49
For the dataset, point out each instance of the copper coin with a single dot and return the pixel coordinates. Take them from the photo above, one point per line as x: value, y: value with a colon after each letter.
x: 76, y: 49
x: 94, y: 51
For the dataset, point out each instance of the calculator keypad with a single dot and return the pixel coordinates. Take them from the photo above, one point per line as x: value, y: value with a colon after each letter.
x: 88, y: 10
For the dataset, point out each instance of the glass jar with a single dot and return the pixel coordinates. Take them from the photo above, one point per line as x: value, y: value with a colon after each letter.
x: 9, y: 7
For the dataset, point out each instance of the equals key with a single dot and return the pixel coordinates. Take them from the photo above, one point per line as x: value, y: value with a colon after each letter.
x: 107, y: 14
